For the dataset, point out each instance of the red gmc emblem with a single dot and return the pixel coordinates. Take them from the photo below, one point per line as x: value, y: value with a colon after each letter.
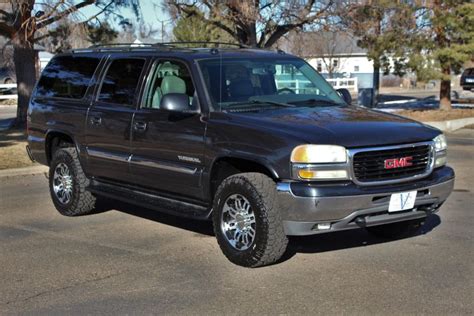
x: 398, y: 162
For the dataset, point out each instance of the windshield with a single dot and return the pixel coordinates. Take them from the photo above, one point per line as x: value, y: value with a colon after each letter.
x: 263, y: 82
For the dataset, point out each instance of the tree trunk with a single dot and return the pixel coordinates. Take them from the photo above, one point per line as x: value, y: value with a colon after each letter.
x: 25, y: 68
x: 445, y: 90
x: 376, y: 84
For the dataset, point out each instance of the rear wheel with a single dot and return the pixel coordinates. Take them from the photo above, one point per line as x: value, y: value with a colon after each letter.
x: 67, y: 183
x: 395, y: 230
x: 247, y: 222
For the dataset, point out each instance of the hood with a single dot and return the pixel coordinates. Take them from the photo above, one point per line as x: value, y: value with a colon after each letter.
x: 349, y: 126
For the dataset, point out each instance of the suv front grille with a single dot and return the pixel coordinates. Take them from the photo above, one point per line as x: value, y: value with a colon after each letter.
x: 369, y: 166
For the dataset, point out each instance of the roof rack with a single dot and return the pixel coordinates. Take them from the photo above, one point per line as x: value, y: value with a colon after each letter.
x: 215, y: 44
x: 121, y: 44
x: 153, y: 46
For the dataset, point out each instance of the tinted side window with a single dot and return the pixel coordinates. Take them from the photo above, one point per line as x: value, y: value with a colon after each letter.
x: 67, y: 77
x: 120, y: 83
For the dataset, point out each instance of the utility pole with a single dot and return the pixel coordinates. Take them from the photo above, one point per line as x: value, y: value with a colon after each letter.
x: 162, y: 31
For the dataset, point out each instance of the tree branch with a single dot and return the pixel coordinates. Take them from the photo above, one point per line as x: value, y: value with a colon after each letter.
x: 303, y: 18
x: 6, y: 30
x: 64, y: 13
x: 6, y: 14
x: 102, y: 10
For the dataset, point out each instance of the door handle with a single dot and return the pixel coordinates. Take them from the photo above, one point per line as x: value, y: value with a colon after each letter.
x: 96, y: 120
x: 139, y: 126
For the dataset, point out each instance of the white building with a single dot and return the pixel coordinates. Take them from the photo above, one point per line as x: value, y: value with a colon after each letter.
x: 334, y: 55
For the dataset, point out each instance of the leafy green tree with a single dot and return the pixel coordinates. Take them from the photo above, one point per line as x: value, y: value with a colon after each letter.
x: 444, y: 44
x: 101, y: 34
x: 191, y: 27
x: 432, y: 38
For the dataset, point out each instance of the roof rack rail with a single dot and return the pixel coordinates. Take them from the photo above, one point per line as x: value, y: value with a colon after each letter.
x: 111, y: 45
x: 216, y: 44
x: 164, y: 45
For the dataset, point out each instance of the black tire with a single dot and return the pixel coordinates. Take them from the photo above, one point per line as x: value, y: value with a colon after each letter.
x: 395, y: 230
x: 270, y: 241
x: 81, y: 202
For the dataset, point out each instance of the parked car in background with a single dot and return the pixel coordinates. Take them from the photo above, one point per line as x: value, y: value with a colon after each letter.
x: 467, y: 79
x: 7, y: 75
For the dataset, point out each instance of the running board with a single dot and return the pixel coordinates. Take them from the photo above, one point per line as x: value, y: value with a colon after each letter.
x: 152, y: 201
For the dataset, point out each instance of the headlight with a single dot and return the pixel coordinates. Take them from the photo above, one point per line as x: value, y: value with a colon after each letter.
x: 319, y: 154
x: 314, y: 174
x: 320, y: 162
x: 440, y: 143
x: 441, y: 147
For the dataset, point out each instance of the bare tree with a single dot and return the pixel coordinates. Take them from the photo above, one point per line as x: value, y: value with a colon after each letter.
x: 66, y: 35
x: 328, y: 46
x: 256, y: 23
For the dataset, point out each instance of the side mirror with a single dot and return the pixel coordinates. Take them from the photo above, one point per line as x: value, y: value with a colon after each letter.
x: 177, y: 102
x: 345, y: 95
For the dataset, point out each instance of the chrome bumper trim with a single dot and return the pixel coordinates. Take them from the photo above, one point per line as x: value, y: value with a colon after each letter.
x: 308, y: 211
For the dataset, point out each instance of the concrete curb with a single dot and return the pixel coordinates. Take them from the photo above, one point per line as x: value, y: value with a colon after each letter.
x: 451, y: 125
x: 27, y: 171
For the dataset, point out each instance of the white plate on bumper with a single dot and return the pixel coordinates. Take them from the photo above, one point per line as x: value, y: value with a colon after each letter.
x: 402, y: 201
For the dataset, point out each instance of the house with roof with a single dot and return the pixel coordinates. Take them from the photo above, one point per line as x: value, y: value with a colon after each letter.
x: 333, y: 54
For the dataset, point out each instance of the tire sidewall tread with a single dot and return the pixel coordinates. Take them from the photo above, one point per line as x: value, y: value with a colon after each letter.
x: 82, y: 201
x: 270, y: 240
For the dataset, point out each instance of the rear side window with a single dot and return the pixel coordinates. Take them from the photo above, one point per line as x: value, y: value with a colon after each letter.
x: 121, y: 80
x: 67, y: 77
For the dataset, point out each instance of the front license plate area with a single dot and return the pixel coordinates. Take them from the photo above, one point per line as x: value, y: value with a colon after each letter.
x: 402, y: 201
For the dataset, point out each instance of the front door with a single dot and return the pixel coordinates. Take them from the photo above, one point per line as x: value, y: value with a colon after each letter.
x: 168, y: 146
x: 109, y: 120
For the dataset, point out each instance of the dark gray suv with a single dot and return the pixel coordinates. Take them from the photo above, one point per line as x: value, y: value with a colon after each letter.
x: 254, y: 140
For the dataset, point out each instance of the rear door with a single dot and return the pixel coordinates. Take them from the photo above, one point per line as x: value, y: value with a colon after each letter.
x: 168, y: 146
x: 61, y: 100
x: 109, y: 119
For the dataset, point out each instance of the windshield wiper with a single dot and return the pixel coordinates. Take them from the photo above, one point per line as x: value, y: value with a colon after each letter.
x: 317, y: 102
x: 253, y: 102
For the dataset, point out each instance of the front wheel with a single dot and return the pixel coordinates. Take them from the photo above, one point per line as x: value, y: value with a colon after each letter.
x: 247, y: 221
x: 395, y: 230
x: 67, y: 184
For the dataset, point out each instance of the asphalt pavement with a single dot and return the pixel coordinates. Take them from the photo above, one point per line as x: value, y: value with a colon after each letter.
x: 128, y: 260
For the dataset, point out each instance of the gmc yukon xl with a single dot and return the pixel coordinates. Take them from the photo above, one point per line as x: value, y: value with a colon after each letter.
x: 254, y: 140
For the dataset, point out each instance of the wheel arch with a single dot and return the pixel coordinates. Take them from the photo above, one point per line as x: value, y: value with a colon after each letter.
x: 225, y: 166
x: 56, y: 139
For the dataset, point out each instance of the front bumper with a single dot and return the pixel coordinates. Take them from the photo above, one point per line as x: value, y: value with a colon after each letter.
x: 347, y: 206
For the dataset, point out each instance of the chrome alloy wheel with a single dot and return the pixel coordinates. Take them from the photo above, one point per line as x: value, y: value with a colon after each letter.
x: 62, y: 183
x: 238, y: 222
